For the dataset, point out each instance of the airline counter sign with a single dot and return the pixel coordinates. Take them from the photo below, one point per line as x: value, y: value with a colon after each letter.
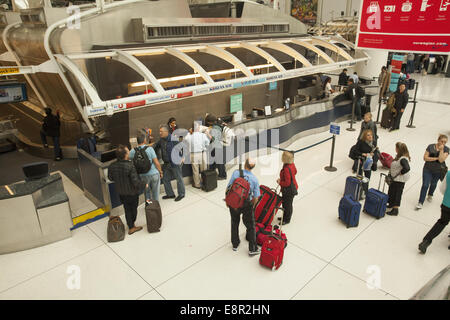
x: 408, y: 25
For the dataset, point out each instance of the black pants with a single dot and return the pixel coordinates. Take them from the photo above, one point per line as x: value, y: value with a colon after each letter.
x: 287, y: 206
x: 439, y: 225
x: 218, y: 163
x: 248, y: 218
x: 395, y: 194
x: 130, y: 204
x: 396, y: 120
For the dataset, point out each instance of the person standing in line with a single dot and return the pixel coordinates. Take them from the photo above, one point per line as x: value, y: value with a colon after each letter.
x: 352, y: 86
x: 288, y: 185
x: 384, y: 80
x: 246, y: 211
x: 401, y: 100
x: 434, y: 157
x: 171, y: 164
x: 327, y: 87
x: 400, y: 173
x: 343, y: 78
x: 355, y: 77
x: 198, y: 143
x: 152, y: 177
x: 445, y: 216
x: 215, y: 133
x: 128, y: 185
x: 51, y: 127
x: 410, y: 63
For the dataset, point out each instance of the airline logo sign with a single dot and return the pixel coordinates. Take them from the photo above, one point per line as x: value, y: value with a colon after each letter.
x: 387, y: 24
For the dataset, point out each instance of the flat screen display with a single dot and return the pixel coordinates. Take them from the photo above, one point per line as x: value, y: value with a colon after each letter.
x: 15, y: 92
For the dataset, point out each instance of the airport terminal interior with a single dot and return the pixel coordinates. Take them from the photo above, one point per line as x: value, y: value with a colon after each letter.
x: 265, y: 86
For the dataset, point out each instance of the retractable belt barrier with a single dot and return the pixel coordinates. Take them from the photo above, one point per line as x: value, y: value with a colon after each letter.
x: 302, y: 149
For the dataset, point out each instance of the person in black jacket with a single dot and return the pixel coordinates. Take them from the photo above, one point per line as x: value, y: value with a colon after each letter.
x: 364, y: 149
x: 51, y: 128
x: 401, y: 100
x: 128, y: 185
x: 352, y: 86
x: 343, y: 78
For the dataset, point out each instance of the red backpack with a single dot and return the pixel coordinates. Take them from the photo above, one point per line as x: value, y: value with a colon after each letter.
x: 238, y: 192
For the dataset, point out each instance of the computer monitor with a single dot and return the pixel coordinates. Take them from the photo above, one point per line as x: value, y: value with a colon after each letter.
x: 108, y: 155
x: 35, y: 171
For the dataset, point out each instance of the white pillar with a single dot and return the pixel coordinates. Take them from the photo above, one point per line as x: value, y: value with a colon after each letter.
x: 372, y: 67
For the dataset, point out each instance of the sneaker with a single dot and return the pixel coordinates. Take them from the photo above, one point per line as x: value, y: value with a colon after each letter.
x: 389, y: 209
x: 423, y: 246
x: 254, y: 252
x: 236, y: 248
x: 430, y: 198
x: 419, y: 206
x: 179, y: 198
x: 168, y: 197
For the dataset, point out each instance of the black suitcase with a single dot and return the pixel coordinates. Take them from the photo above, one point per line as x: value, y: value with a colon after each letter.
x: 411, y: 84
x: 386, y: 119
x: 209, y: 180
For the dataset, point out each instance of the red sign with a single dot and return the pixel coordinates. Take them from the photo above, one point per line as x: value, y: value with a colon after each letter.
x: 405, y: 25
x: 135, y: 104
x: 184, y: 95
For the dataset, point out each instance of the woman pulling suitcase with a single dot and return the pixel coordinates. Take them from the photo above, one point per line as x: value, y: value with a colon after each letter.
x: 288, y: 185
x: 399, y: 173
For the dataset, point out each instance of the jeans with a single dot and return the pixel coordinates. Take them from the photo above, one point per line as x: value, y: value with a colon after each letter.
x: 429, y: 183
x: 358, y: 109
x: 248, y: 218
x: 154, y: 184
x: 439, y: 225
x: 56, y: 147
x: 130, y: 204
x: 170, y: 172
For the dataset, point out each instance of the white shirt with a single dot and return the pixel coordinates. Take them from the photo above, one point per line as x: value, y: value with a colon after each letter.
x: 355, y: 78
x: 328, y: 88
x: 197, y: 141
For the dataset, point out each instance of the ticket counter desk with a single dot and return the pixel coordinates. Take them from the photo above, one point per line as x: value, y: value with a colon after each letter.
x: 33, y: 213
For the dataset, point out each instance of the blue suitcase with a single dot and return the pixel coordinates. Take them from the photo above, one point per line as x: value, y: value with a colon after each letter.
x: 349, y: 211
x: 376, y: 201
x: 354, y: 185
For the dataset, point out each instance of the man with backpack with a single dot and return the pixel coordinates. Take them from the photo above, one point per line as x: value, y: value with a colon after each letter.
x: 241, y: 197
x: 147, y: 166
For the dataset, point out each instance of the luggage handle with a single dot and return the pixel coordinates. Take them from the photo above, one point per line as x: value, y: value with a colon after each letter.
x: 384, y: 184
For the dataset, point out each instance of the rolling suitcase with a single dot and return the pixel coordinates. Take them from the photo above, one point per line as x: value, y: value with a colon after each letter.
x: 376, y: 201
x: 116, y: 229
x: 272, y: 251
x: 386, y: 159
x: 153, y: 216
x: 209, y: 180
x: 349, y: 211
x: 386, y: 119
x: 263, y: 233
x: 354, y: 185
x: 267, y: 205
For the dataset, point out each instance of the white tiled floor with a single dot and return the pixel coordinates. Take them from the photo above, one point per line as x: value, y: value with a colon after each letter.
x: 191, y: 258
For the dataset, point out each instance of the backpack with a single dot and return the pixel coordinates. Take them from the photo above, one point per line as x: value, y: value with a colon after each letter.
x: 353, y: 153
x: 141, y: 160
x: 238, y: 193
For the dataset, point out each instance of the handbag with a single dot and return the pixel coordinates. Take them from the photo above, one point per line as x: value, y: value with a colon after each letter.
x: 390, y: 179
x: 291, y: 190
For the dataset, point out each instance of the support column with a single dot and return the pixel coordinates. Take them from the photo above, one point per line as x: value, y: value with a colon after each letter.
x: 372, y: 67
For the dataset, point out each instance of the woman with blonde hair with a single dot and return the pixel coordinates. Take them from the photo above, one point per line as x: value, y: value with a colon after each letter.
x: 288, y: 184
x: 399, y: 173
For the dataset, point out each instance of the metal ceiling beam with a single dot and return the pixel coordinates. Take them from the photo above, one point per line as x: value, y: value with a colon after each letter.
x: 230, y: 58
x: 85, y: 83
x: 312, y: 47
x: 332, y: 47
x: 131, y: 61
x: 263, y: 54
x: 287, y: 50
x: 191, y: 62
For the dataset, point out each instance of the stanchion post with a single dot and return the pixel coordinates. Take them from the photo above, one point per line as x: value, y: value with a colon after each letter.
x: 353, y: 112
x: 411, y: 119
x: 330, y: 167
x: 378, y: 113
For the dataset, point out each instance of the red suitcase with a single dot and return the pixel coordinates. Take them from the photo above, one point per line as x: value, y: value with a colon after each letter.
x: 263, y: 233
x: 272, y: 251
x: 267, y: 205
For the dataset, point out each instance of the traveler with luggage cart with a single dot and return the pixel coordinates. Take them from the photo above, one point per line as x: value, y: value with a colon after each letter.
x: 399, y: 175
x: 288, y: 185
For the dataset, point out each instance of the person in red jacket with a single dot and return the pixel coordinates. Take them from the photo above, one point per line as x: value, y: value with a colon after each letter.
x: 288, y: 184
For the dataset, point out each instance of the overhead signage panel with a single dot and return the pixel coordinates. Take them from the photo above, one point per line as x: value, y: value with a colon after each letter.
x: 405, y: 25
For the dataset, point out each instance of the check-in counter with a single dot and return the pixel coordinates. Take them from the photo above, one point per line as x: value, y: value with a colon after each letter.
x: 33, y: 214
